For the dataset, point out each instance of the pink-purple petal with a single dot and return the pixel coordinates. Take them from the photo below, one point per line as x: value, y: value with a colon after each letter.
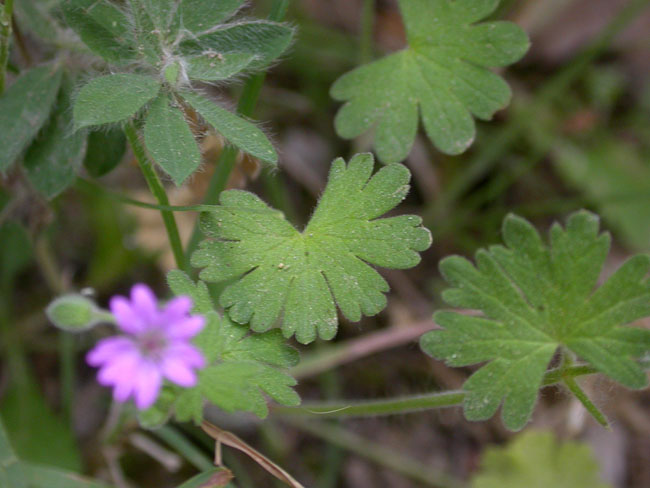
x: 147, y: 384
x: 179, y: 372
x: 144, y: 303
x: 108, y: 348
x: 186, y: 328
x: 188, y: 353
x: 122, y: 367
x: 126, y: 317
x: 177, y: 308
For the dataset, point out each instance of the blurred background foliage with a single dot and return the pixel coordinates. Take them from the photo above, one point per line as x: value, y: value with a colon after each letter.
x: 577, y: 135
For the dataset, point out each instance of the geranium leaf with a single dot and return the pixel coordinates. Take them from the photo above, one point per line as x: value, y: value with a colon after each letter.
x: 536, y: 298
x: 443, y: 75
x: 303, y: 276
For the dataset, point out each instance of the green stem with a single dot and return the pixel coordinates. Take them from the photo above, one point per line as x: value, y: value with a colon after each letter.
x: 192, y: 454
x: 228, y: 158
x: 574, y: 388
x: 416, y: 403
x: 497, y: 147
x: 158, y: 192
x: 366, y: 31
x: 375, y: 452
x: 5, y: 39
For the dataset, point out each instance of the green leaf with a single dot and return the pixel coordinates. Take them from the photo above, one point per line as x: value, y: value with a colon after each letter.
x: 24, y: 108
x: 33, y: 428
x: 170, y: 141
x: 112, y: 98
x: 536, y: 298
x: 38, y: 476
x: 303, y: 276
x: 54, y: 158
x: 215, y: 66
x: 35, y: 16
x: 242, y: 366
x: 615, y: 176
x: 236, y: 130
x: 215, y: 478
x: 148, y: 38
x: 103, y: 27
x: 537, y: 459
x: 443, y: 75
x: 15, y: 252
x: 105, y: 150
x: 263, y: 39
x: 199, y: 16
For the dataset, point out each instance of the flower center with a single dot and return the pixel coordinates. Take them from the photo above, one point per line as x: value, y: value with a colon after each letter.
x: 152, y: 343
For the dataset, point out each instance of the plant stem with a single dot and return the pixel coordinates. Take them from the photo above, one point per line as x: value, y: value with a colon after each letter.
x: 185, y: 448
x: 366, y: 31
x: 495, y: 148
x: 158, y: 192
x: 5, y: 39
x: 228, y: 158
x: 416, y: 403
x: 375, y: 452
x: 574, y: 388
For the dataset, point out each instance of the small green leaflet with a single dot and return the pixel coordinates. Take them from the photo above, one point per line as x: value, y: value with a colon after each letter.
x: 536, y: 298
x: 303, y: 276
x: 537, y: 459
x: 24, y: 108
x: 242, y: 367
x: 238, y: 131
x: 112, y: 98
x: 443, y: 74
x: 170, y: 141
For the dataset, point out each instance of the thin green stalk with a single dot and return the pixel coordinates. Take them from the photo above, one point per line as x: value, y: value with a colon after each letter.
x: 496, y: 148
x: 5, y: 40
x: 574, y: 388
x: 228, y: 158
x: 183, y: 446
x: 366, y: 31
x: 416, y: 403
x: 158, y: 192
x: 375, y: 452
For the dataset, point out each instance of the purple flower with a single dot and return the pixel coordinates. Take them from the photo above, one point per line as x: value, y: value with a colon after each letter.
x: 155, y: 345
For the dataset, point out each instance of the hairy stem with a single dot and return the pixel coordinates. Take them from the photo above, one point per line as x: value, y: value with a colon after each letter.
x: 5, y: 39
x: 416, y: 403
x: 228, y: 158
x: 158, y: 191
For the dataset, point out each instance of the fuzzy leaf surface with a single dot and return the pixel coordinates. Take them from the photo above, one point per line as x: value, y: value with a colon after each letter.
x: 303, y: 276
x: 536, y: 460
x: 443, y: 75
x: 199, y: 16
x: 263, y: 39
x: 24, y: 109
x: 170, y: 141
x: 112, y: 98
x: 535, y: 298
x: 242, y: 367
x: 103, y: 27
x: 238, y: 131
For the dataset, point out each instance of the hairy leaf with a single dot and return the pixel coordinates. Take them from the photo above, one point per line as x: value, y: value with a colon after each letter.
x: 112, y: 98
x: 199, y: 16
x: 54, y: 158
x: 24, y: 108
x: 105, y: 149
x: 243, y: 367
x: 103, y: 27
x: 303, y: 276
x: 536, y: 298
x: 537, y: 459
x: 216, y: 66
x: 236, y: 130
x: 170, y: 141
x: 443, y: 75
x: 263, y: 39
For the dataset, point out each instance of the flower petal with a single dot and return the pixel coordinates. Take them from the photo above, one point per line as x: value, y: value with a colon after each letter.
x: 185, y: 352
x: 179, y: 372
x: 147, y: 384
x: 185, y: 328
x: 126, y: 317
x: 108, y: 349
x: 144, y: 304
x: 122, y: 367
x: 177, y: 308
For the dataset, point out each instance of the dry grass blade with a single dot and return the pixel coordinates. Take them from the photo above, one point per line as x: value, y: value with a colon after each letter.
x: 230, y: 439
